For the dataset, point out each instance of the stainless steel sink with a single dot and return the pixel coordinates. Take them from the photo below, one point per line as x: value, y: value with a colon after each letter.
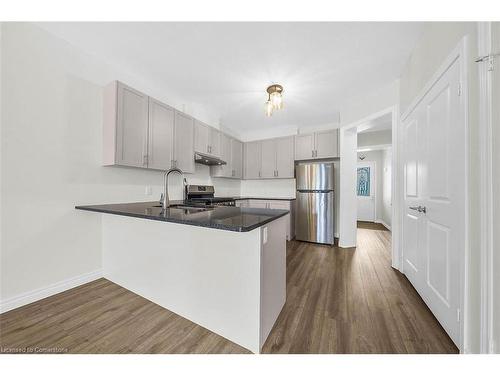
x: 186, y: 208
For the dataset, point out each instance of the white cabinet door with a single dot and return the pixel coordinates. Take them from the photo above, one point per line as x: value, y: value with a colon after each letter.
x: 242, y: 203
x: 236, y: 158
x: 252, y: 160
x: 283, y: 205
x: 255, y: 203
x: 268, y: 156
x: 284, y: 157
x: 215, y: 148
x: 201, y: 137
x: 304, y: 146
x: 326, y: 144
x: 161, y: 135
x: 225, y: 170
x: 184, y: 142
x: 131, y: 127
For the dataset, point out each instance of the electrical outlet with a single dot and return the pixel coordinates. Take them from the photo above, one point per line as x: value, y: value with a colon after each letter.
x: 148, y: 190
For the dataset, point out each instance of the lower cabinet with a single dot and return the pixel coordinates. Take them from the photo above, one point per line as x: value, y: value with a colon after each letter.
x: 276, y: 205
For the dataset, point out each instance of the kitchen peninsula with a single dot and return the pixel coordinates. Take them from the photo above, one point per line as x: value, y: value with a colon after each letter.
x: 222, y: 267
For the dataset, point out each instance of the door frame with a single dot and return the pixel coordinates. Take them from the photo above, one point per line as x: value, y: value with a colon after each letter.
x: 459, y: 53
x: 396, y: 179
x: 373, y: 177
x: 486, y: 170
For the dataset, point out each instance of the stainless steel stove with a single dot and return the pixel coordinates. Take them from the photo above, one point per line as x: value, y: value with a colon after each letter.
x: 203, y: 195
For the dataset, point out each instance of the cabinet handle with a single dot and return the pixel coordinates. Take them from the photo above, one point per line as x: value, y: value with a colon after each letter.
x: 144, y: 160
x: 259, y: 174
x: 277, y: 173
x: 312, y: 152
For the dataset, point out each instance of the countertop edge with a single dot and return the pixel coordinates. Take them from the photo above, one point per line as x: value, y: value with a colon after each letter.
x: 194, y: 224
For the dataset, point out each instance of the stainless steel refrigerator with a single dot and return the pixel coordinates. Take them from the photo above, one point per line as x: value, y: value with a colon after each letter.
x: 315, y: 211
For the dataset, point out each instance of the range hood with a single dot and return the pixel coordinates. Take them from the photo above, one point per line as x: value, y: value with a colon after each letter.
x: 207, y: 159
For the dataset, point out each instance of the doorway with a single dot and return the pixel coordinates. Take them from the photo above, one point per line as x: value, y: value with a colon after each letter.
x: 366, y: 190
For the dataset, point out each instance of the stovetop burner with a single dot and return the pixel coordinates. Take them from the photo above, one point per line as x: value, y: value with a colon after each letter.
x: 204, y: 194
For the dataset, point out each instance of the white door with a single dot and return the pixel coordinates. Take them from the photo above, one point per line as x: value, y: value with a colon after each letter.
x: 366, y: 191
x: 434, y: 191
x: 161, y: 135
x: 184, y: 142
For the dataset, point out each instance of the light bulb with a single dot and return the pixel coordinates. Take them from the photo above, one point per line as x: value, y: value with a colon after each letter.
x: 276, y: 100
x: 269, y: 108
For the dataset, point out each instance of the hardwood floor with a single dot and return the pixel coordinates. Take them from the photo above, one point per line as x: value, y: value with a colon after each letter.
x: 338, y: 301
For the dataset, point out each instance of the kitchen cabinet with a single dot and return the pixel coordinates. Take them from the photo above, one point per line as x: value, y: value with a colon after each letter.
x: 276, y: 205
x: 206, y: 139
x: 276, y: 158
x: 160, y: 153
x: 304, y: 146
x: 268, y: 157
x: 184, y: 142
x: 232, y: 154
x: 237, y: 158
x: 252, y: 160
x: 285, y: 157
x: 125, y: 133
x: 140, y: 131
x: 318, y: 145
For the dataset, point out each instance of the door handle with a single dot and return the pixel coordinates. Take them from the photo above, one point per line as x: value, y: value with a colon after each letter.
x: 419, y: 209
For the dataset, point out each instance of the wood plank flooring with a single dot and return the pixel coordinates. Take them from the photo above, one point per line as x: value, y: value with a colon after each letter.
x: 338, y: 301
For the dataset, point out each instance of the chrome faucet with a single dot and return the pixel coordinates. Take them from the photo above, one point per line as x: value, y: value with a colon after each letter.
x: 165, y: 202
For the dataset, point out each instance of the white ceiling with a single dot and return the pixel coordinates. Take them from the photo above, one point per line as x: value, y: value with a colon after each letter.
x: 227, y: 66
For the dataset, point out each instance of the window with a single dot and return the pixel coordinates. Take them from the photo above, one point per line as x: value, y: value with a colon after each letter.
x: 364, y: 181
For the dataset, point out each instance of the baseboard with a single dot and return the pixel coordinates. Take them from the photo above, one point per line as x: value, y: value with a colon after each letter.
x: 38, y: 294
x: 384, y: 224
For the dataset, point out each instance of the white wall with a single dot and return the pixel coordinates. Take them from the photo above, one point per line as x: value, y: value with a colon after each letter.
x: 366, y: 104
x: 51, y: 155
x: 347, y: 190
x: 374, y: 138
x: 437, y: 41
x: 280, y: 188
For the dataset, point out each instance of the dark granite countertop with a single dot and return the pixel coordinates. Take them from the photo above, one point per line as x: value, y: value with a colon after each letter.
x: 236, y: 219
x: 264, y: 198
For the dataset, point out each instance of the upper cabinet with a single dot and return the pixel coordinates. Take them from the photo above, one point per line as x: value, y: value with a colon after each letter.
x: 270, y: 158
x: 125, y: 133
x: 140, y: 131
x: 231, y: 151
x: 184, y: 142
x: 319, y: 145
x: 206, y: 139
x: 252, y: 160
x: 161, y: 135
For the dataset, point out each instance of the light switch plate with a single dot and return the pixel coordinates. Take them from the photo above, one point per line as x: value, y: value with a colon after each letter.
x: 148, y: 190
x: 264, y: 235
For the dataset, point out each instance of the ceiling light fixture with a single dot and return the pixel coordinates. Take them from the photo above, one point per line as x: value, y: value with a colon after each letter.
x: 274, y: 99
